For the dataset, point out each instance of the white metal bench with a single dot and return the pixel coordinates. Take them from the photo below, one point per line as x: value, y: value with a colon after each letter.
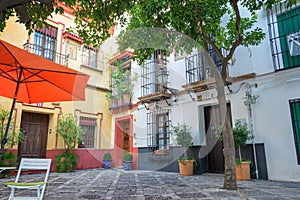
x: 30, y: 164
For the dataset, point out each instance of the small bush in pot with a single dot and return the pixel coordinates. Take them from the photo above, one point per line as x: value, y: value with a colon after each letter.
x: 184, y: 139
x: 107, y: 160
x: 241, y: 134
x: 127, y: 161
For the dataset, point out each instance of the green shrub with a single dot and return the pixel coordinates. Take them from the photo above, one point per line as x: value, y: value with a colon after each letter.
x: 14, y: 135
x: 66, y: 162
x: 69, y: 130
x: 9, y: 160
x: 183, y: 136
x: 107, y: 156
x: 241, y: 134
x: 127, y: 157
x: 71, y: 133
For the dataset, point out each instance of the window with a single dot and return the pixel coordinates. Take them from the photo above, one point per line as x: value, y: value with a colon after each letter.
x: 158, y: 130
x: 154, y: 74
x: 288, y: 28
x: 284, y: 27
x: 197, y: 66
x: 162, y: 126
x: 295, y: 113
x: 45, y: 42
x: 90, y: 127
x: 89, y: 57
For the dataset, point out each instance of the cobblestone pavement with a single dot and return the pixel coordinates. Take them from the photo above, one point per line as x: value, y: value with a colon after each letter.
x: 146, y: 185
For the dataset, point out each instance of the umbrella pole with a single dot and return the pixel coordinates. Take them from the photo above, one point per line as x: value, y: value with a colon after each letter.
x: 4, y: 140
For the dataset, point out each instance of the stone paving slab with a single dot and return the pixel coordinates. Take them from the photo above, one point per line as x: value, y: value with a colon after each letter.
x: 117, y: 184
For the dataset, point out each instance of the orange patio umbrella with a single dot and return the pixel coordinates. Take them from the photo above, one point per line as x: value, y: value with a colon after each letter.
x: 30, y: 79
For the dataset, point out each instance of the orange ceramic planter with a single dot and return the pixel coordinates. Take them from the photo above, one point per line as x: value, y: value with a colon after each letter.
x: 243, y: 171
x: 186, y: 167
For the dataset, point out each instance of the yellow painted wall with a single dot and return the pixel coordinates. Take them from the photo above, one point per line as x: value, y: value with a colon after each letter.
x: 95, y: 103
x: 14, y: 33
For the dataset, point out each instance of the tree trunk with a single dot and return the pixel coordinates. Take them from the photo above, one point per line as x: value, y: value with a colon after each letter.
x: 185, y: 153
x: 229, y: 155
x: 240, y: 154
x: 228, y: 141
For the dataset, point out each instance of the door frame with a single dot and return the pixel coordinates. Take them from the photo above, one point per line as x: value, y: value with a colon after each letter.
x: 216, y: 148
x: 118, y: 144
x: 44, y: 138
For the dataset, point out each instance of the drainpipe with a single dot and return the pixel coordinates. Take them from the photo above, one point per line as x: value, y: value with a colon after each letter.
x: 251, y: 121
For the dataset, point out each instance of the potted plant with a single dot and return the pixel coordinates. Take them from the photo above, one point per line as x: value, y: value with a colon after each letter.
x: 127, y: 161
x: 71, y: 134
x: 107, y: 160
x: 241, y: 134
x: 184, y: 138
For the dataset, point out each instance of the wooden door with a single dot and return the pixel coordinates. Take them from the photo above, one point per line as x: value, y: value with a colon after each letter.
x: 125, y: 130
x: 35, y: 130
x: 215, y: 158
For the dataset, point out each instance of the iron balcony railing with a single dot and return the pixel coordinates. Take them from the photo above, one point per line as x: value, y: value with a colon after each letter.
x: 154, y: 77
x: 49, y: 54
x: 197, y: 67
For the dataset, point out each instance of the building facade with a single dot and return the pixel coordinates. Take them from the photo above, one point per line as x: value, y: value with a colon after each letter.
x: 262, y: 91
x: 39, y: 121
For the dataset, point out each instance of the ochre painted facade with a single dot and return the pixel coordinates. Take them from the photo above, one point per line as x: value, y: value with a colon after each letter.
x: 95, y: 106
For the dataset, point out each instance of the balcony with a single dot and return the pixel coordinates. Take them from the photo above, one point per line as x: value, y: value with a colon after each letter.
x: 199, y: 75
x: 122, y: 82
x: 120, y: 104
x: 154, y: 80
x: 49, y: 54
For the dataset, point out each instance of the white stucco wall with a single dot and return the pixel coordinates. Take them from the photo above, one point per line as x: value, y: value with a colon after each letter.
x: 274, y: 125
x: 140, y: 127
x: 272, y: 120
x: 136, y: 69
x: 187, y: 113
x: 257, y: 59
x: 177, y: 70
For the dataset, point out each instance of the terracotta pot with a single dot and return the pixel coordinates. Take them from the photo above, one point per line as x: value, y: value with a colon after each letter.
x: 243, y: 171
x: 186, y: 167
